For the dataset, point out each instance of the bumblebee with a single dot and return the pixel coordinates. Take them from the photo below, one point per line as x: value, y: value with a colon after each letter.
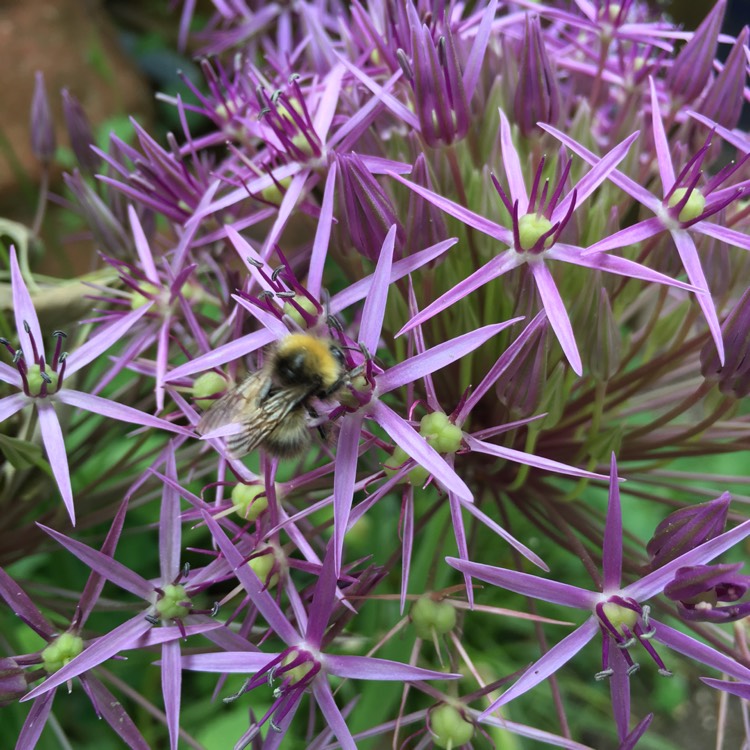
x: 274, y: 404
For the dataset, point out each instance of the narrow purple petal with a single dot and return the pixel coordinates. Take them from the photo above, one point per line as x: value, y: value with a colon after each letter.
x: 530, y: 459
x: 555, y: 658
x: 54, y: 445
x: 104, y: 339
x: 512, y: 165
x: 401, y: 111
x: 464, y: 215
x: 439, y: 356
x: 503, y: 534
x: 23, y: 608
x: 10, y: 375
x: 288, y: 202
x: 229, y: 662
x: 494, y: 268
x: 737, y: 139
x: 740, y: 689
x: 724, y: 234
x: 631, y: 187
x: 260, y: 597
x: 164, y: 634
x: 142, y: 247
x: 332, y: 714
x: 23, y: 310
x: 360, y: 288
x: 478, y: 48
x: 107, y: 408
x: 407, y: 541
x: 35, y: 722
x: 323, y: 599
x: 612, y: 547
x: 111, y: 710
x: 112, y: 570
x: 170, y: 526
x: 162, y: 355
x: 171, y: 686
x: 374, y: 308
x: 594, y: 177
x: 528, y: 585
x: 629, y: 236
x: 404, y: 435
x: 11, y: 405
x: 322, y: 235
x: 557, y: 314
x: 225, y: 353
x: 500, y: 366
x: 372, y: 668
x: 329, y: 100
x: 619, y: 688
x: 655, y: 582
x: 619, y: 266
x: 698, y: 651
x: 661, y: 144
x: 689, y: 256
x: 119, y: 639
x: 343, y: 480
x: 638, y: 731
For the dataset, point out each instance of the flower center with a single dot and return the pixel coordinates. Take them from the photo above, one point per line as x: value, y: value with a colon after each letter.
x: 58, y: 653
x: 693, y: 207
x: 531, y: 228
x: 174, y: 604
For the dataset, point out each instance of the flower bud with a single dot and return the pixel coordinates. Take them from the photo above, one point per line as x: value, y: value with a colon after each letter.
x: 723, y: 102
x: 80, y: 133
x: 537, y: 98
x: 733, y: 376
x: 687, y: 528
x: 703, y: 591
x: 12, y: 682
x: 42, y: 127
x: 692, y: 67
x: 368, y: 211
x: 449, y: 728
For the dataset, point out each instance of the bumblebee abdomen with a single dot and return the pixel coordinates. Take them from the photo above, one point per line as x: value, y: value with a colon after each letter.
x: 291, y: 437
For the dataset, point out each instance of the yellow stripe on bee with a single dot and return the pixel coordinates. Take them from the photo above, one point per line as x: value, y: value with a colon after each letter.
x: 318, y: 355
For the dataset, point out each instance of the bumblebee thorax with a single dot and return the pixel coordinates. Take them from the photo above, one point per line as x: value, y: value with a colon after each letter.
x: 302, y: 359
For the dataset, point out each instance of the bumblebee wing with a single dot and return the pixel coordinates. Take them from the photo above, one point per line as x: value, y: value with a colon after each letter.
x: 257, y: 407
x: 235, y: 405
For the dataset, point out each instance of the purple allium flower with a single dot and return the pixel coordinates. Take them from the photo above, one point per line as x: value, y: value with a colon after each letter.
x: 70, y: 654
x: 169, y: 601
x: 619, y: 613
x: 538, y: 220
x: 41, y: 380
x: 684, y: 210
x: 304, y: 664
x: 272, y: 210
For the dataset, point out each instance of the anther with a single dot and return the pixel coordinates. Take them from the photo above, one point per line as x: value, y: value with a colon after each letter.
x: 605, y: 674
x: 151, y: 619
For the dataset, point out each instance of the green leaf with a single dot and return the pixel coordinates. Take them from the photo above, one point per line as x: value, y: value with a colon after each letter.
x: 24, y: 455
